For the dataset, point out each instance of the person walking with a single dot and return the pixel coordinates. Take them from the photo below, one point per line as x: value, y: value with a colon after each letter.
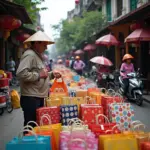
x: 51, y: 64
x: 79, y: 65
x: 34, y: 77
x: 11, y: 65
x: 67, y: 62
x: 71, y: 63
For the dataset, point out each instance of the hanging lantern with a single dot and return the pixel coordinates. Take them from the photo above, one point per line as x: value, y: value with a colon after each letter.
x: 8, y: 23
x: 22, y: 37
x: 135, y: 26
x: 77, y: 2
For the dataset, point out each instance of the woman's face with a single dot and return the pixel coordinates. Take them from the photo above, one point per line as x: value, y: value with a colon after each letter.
x: 128, y: 61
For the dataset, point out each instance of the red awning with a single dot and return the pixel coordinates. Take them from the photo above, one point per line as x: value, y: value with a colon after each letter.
x: 107, y: 40
x: 89, y: 47
x: 139, y: 35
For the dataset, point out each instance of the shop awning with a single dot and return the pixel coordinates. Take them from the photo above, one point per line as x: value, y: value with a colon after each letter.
x: 143, y: 12
x: 16, y: 10
x: 139, y: 35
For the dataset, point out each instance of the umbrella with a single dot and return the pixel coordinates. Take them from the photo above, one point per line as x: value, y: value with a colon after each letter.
x: 139, y: 35
x: 107, y: 40
x: 78, y: 52
x: 89, y: 47
x: 101, y: 60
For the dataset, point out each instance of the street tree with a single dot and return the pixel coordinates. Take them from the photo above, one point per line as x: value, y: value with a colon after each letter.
x: 72, y: 33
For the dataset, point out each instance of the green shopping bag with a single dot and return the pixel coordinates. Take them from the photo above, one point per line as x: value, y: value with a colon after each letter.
x: 29, y: 142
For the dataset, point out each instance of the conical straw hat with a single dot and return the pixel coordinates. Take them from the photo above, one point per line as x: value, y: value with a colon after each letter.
x: 39, y: 36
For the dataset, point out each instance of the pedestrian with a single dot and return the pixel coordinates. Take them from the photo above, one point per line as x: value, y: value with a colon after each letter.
x: 67, y: 62
x: 34, y: 77
x: 51, y: 64
x: 79, y: 65
x: 11, y: 65
x: 71, y: 64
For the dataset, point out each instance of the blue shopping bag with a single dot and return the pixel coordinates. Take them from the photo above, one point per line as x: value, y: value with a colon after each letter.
x: 68, y: 112
x: 76, y: 78
x: 30, y: 143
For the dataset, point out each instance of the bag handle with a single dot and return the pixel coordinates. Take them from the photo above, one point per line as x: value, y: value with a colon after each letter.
x: 77, y: 140
x: 133, y: 123
x: 138, y: 126
x: 113, y: 128
x: 89, y: 100
x: 99, y: 115
x: 47, y: 117
x: 120, y: 96
x: 105, y: 90
x: 28, y: 127
x: 20, y: 135
x: 35, y: 124
x: 110, y: 92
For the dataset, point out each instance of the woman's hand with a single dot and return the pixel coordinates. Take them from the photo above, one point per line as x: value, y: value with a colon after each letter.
x: 57, y: 74
x: 44, y: 73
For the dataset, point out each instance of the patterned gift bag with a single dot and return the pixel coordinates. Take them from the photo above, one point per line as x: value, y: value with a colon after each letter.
x: 53, y: 112
x: 121, y: 113
x: 89, y: 113
x: 68, y: 112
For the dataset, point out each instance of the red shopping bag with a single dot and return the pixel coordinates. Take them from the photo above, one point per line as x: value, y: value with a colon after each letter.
x: 107, y: 100
x: 104, y: 128
x: 53, y: 112
x: 59, y: 86
x: 89, y: 113
x: 145, y: 146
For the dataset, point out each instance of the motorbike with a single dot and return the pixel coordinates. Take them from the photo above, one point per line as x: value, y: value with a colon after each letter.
x: 135, y: 87
x: 105, y: 80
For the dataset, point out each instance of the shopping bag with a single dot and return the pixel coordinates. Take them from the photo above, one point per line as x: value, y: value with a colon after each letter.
x: 43, y: 133
x: 104, y: 128
x: 56, y: 128
x: 68, y: 112
x: 15, y: 99
x: 33, y: 142
x: 55, y: 102
x: 107, y: 100
x: 117, y: 142
x: 81, y: 93
x: 89, y: 113
x: 87, y: 136
x: 121, y: 113
x: 59, y: 84
x: 53, y: 112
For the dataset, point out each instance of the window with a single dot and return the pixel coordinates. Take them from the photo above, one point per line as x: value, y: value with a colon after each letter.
x: 133, y: 4
x: 108, y: 10
x: 119, y: 7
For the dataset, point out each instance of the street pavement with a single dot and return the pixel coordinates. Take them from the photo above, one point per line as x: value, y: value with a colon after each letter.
x: 11, y: 124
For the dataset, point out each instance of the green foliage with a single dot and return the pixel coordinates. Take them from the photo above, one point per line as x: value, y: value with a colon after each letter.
x: 78, y: 30
x: 32, y: 7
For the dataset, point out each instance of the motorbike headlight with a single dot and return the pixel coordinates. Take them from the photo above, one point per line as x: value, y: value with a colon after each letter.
x: 104, y: 76
x: 111, y: 76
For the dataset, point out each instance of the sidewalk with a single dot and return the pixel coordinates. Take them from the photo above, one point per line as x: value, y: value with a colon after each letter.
x: 146, y: 98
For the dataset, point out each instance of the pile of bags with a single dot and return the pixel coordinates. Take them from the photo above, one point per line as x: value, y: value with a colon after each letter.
x: 82, y: 118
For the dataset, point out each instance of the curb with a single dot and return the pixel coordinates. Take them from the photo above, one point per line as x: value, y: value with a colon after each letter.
x: 146, y: 100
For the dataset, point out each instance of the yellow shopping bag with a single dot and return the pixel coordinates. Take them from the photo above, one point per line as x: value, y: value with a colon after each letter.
x: 54, y: 102
x: 118, y: 142
x: 57, y: 128
x: 15, y: 99
x: 73, y: 101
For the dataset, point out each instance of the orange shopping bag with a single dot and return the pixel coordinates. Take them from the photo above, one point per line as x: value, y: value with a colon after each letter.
x: 59, y: 86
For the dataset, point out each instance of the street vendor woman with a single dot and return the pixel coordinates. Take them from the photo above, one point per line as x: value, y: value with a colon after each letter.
x: 33, y: 75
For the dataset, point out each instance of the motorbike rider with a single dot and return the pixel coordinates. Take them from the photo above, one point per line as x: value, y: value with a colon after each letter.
x: 126, y: 67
